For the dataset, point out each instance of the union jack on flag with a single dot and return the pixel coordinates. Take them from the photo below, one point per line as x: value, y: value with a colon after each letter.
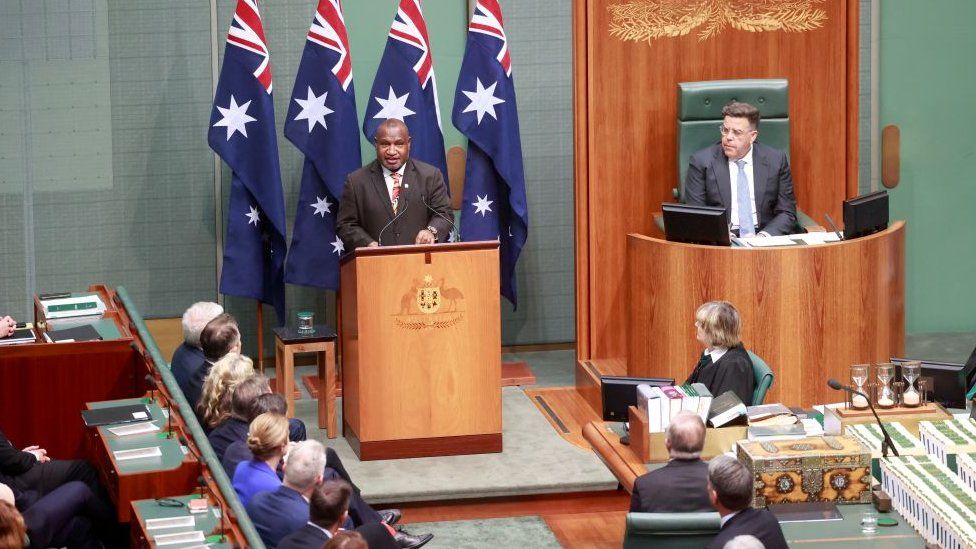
x: 242, y: 133
x: 323, y: 124
x: 405, y: 87
x: 494, y: 204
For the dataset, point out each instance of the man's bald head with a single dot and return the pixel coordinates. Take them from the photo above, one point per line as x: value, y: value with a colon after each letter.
x: 392, y: 143
x: 685, y: 436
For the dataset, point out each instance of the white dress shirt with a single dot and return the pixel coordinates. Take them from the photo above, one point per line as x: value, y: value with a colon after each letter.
x: 388, y: 177
x: 727, y: 518
x: 734, y: 178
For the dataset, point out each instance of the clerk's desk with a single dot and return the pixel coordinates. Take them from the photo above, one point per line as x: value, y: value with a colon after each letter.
x: 809, y: 311
x: 207, y: 522
x: 174, y: 472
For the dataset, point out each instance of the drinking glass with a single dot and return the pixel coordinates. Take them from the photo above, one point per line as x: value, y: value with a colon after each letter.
x: 869, y: 521
x: 306, y: 322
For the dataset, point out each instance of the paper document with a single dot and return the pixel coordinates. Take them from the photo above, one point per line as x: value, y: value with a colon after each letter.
x: 787, y: 240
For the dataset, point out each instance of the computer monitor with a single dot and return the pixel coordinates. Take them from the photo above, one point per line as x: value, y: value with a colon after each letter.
x: 620, y: 392
x: 696, y: 224
x: 946, y: 382
x: 865, y: 214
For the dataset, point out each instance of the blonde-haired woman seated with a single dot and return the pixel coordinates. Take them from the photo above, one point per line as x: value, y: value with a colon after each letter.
x: 227, y: 373
x: 267, y: 438
x: 725, y: 365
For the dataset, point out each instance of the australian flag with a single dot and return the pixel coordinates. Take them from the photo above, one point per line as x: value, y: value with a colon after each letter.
x: 405, y: 88
x: 242, y: 132
x: 494, y: 203
x: 322, y: 123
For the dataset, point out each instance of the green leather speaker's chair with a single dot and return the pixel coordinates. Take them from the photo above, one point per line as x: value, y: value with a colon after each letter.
x: 700, y: 115
x: 764, y: 378
x: 670, y: 529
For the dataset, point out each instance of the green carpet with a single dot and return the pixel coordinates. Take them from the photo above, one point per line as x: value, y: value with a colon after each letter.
x: 505, y: 532
x: 535, y: 460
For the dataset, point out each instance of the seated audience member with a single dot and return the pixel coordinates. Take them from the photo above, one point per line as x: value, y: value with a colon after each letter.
x: 218, y: 388
x: 234, y: 428
x: 7, y: 326
x: 681, y: 486
x: 219, y: 337
x: 725, y: 365
x: 70, y: 515
x: 730, y: 487
x: 279, y: 513
x: 328, y: 510
x: 12, y: 531
x: 347, y: 539
x: 188, y: 358
x: 268, y: 440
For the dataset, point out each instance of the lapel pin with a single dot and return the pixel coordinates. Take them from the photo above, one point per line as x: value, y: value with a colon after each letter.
x: 406, y: 185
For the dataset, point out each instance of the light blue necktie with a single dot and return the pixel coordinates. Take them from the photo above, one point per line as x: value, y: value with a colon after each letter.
x: 746, y: 228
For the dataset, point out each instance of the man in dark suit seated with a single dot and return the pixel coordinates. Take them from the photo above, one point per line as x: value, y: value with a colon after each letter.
x: 747, y: 178
x: 189, y: 355
x: 219, y: 337
x: 284, y: 511
x: 65, y: 516
x: 328, y: 508
x: 394, y: 200
x: 681, y: 486
x: 242, y: 412
x: 730, y: 487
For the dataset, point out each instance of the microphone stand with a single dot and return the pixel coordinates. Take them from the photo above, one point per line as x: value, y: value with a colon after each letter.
x: 454, y: 231
x: 202, y: 482
x: 153, y: 388
x: 379, y: 238
x: 886, y: 441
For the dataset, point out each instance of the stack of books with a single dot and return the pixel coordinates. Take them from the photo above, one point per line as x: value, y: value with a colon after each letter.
x: 934, y: 501
x: 966, y: 468
x: 948, y: 437
x: 663, y: 403
x: 65, y: 311
x: 870, y: 435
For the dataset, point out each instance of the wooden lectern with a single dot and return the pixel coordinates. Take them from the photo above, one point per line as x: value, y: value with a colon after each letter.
x: 420, y: 350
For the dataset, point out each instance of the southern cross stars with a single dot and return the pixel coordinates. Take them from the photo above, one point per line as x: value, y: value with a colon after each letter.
x: 482, y: 206
x: 338, y: 247
x: 235, y: 118
x: 322, y: 206
x: 393, y: 106
x: 253, y: 216
x: 483, y: 100
x: 314, y: 109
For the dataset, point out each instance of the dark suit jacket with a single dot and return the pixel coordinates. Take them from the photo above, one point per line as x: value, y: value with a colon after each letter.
x: 708, y: 183
x: 190, y: 373
x: 755, y: 522
x: 681, y: 486
x: 365, y: 207
x: 375, y: 534
x: 732, y: 372
x: 277, y: 514
x: 13, y: 461
x: 234, y: 430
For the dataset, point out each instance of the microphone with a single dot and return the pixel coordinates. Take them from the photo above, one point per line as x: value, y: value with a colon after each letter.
x: 454, y: 231
x: 886, y: 442
x: 153, y: 388
x: 834, y: 227
x: 202, y: 480
x: 387, y: 226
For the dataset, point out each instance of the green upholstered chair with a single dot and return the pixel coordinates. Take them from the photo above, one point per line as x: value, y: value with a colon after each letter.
x: 764, y: 378
x: 670, y: 529
x: 700, y: 115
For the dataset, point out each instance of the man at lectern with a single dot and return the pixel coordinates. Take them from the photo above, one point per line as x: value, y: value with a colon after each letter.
x: 394, y: 200
x: 748, y: 178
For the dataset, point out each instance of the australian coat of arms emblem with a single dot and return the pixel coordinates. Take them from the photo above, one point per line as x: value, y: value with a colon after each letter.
x: 430, y: 305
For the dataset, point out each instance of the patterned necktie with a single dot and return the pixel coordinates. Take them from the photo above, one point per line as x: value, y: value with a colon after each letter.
x: 746, y: 228
x: 396, y: 191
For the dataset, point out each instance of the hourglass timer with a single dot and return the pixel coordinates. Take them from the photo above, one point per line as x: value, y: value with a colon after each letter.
x: 910, y: 372
x: 886, y: 396
x: 859, y: 376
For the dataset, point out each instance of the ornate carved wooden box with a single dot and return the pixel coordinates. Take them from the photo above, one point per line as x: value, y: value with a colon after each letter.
x: 829, y: 468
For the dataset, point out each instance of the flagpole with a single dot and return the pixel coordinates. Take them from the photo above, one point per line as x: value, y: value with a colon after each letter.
x: 261, y: 337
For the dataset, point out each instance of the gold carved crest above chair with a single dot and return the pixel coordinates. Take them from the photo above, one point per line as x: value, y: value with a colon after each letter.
x: 647, y: 20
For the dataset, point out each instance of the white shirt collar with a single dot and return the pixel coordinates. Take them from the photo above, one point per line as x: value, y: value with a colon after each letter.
x: 388, y: 171
x: 716, y: 353
x: 727, y: 518
x: 327, y: 533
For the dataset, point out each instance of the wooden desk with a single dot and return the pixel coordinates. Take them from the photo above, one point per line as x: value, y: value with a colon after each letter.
x: 623, y: 462
x: 208, y: 522
x: 809, y: 311
x: 172, y: 473
x: 43, y: 386
x: 288, y: 343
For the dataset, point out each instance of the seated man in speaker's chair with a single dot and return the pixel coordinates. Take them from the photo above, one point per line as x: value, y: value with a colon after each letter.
x: 748, y: 178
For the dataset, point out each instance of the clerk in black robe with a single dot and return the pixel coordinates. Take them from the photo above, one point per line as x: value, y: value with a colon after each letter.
x: 725, y: 365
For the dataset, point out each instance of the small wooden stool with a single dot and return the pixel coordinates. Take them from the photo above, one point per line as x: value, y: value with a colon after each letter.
x: 288, y: 343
